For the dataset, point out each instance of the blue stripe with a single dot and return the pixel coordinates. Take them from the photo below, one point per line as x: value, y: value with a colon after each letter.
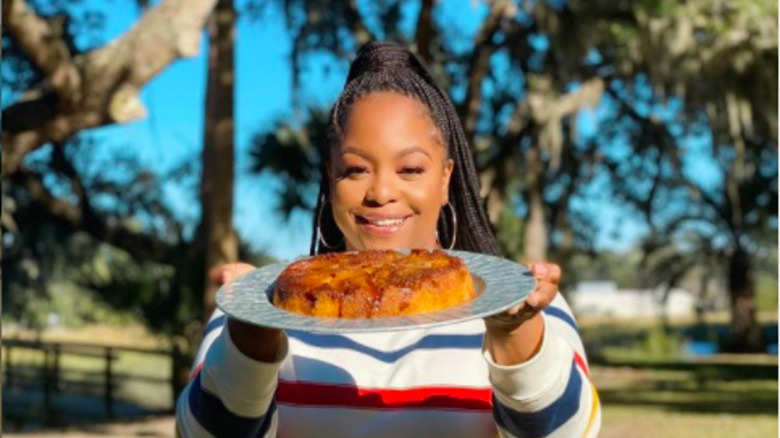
x: 541, y: 423
x: 214, y: 324
x: 562, y: 315
x: 212, y: 414
x: 430, y: 342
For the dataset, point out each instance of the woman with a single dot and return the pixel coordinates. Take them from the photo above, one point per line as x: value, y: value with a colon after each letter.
x: 398, y: 174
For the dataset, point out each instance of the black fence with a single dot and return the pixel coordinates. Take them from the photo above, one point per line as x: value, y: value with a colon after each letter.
x: 47, y: 391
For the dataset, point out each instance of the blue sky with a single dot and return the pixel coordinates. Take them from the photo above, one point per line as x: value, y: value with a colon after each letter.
x: 172, y: 133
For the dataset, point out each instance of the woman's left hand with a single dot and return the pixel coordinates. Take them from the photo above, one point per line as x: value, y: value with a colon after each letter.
x: 547, y: 276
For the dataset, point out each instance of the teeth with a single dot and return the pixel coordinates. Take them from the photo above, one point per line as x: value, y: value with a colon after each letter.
x: 388, y: 222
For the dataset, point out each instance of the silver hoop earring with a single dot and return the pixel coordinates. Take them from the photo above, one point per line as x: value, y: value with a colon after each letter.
x: 320, y: 237
x: 454, y: 227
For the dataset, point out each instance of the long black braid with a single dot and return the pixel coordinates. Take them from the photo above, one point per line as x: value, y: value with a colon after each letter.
x: 381, y: 66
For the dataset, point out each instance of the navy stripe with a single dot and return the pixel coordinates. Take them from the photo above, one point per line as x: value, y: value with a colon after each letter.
x: 544, y: 422
x: 214, y: 324
x: 430, y: 342
x: 562, y: 315
x: 215, y: 417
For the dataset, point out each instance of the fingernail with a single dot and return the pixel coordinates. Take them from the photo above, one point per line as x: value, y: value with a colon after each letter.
x: 540, y: 269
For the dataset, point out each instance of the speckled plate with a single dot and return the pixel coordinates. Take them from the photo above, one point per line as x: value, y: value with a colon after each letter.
x: 500, y: 283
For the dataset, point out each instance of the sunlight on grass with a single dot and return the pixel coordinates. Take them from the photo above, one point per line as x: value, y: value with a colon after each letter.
x: 653, y: 422
x: 645, y: 403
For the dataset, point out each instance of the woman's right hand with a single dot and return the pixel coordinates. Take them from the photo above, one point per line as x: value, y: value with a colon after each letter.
x: 258, y: 343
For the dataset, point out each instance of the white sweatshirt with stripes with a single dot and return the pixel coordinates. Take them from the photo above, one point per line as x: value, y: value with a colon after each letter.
x: 437, y: 382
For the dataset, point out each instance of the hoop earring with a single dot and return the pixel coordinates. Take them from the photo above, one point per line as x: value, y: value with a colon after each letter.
x: 320, y: 237
x: 454, y: 227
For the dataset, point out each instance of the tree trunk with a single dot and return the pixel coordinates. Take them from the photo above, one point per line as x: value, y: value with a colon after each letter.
x: 746, y: 333
x: 535, y: 233
x: 216, y: 235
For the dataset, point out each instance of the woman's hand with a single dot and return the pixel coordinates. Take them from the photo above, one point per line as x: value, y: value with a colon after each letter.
x: 515, y: 335
x: 258, y: 343
x: 547, y: 276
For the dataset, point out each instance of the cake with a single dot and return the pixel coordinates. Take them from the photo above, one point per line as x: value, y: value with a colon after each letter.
x: 373, y: 284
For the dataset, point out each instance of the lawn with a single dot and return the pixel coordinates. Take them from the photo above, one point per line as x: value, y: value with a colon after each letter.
x: 621, y: 421
x: 716, y: 397
x: 690, y: 402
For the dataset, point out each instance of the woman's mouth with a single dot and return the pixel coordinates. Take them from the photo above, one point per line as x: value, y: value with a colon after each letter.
x: 381, y: 225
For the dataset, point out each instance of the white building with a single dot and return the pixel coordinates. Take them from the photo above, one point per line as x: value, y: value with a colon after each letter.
x: 603, y: 298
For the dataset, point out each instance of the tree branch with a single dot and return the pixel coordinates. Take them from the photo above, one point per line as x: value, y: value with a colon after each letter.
x: 111, y: 79
x: 43, y: 48
x: 660, y: 131
x: 479, y: 64
x: 589, y: 94
x: 426, y: 31
x: 44, y: 204
x: 357, y: 25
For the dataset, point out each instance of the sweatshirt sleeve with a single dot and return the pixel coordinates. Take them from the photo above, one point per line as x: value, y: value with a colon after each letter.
x: 551, y: 394
x: 229, y: 394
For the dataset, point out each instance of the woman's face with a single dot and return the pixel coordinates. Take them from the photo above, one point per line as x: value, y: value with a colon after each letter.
x: 389, y: 176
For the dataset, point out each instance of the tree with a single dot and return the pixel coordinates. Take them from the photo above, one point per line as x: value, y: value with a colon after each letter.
x: 707, y: 71
x: 119, y: 245
x: 661, y: 72
x: 70, y: 230
x: 96, y: 88
x: 216, y: 239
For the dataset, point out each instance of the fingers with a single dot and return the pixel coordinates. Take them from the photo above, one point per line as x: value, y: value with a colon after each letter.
x: 543, y: 295
x: 225, y: 273
x: 510, y: 319
x: 547, y: 276
x: 546, y: 271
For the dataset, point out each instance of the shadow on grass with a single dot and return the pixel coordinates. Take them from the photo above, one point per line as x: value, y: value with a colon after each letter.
x: 691, y: 387
x: 702, y: 370
x: 31, y: 411
x: 704, y: 401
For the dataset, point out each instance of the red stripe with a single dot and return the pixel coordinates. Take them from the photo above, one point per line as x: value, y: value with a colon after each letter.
x: 196, y: 371
x: 318, y: 394
x: 581, y: 362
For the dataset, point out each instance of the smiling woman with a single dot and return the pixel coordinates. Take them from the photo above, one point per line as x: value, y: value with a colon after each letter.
x: 398, y: 174
x: 389, y: 175
x: 397, y: 156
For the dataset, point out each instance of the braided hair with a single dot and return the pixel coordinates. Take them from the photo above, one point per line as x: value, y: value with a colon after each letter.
x: 382, y: 67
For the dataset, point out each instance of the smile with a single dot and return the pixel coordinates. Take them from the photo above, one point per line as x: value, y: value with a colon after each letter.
x: 381, y: 226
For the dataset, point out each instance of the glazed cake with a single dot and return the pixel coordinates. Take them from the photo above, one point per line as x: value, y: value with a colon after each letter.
x: 373, y: 284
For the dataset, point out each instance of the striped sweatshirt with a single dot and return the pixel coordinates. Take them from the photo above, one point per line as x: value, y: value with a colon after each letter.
x: 427, y: 383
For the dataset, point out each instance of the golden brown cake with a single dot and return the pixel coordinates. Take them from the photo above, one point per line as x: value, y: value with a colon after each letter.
x: 373, y: 284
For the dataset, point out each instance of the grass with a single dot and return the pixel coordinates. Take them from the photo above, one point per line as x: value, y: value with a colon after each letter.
x: 619, y: 421
x: 648, y: 402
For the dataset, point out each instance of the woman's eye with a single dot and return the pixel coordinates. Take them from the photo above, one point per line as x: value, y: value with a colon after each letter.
x: 355, y: 170
x: 412, y: 170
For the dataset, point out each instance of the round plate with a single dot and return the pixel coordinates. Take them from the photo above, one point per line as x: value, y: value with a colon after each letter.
x: 504, y: 283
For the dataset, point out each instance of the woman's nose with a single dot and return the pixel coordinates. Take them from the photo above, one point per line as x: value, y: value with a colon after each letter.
x: 382, y: 190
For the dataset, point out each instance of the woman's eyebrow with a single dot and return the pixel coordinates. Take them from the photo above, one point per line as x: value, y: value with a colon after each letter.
x: 413, y: 149
x: 356, y: 151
